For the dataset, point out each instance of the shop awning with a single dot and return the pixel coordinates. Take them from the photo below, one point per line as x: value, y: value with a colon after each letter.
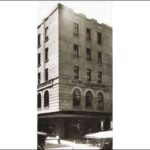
x: 99, y: 135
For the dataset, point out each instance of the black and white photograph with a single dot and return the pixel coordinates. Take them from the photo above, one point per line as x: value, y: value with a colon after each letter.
x: 74, y: 75
x: 74, y: 91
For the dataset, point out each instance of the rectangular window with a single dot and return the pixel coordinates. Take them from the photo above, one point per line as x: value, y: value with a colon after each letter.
x: 39, y: 59
x: 99, y: 38
x: 46, y: 74
x: 76, y: 29
x: 88, y: 33
x: 76, y: 50
x: 88, y: 54
x: 99, y: 77
x: 46, y: 54
x: 88, y: 74
x: 46, y: 34
x: 39, y: 78
x: 76, y: 72
x: 99, y: 58
x: 39, y: 40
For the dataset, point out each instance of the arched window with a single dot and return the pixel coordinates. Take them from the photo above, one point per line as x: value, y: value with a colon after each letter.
x: 46, y: 99
x: 88, y: 99
x: 100, y: 101
x: 76, y: 97
x: 39, y: 100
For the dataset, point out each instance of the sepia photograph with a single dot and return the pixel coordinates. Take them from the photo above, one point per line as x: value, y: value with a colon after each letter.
x: 74, y: 69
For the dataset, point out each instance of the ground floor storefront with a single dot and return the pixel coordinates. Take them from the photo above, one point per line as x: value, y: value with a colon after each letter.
x: 72, y: 125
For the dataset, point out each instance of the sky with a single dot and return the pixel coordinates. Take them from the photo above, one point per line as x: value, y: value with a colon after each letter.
x: 99, y: 10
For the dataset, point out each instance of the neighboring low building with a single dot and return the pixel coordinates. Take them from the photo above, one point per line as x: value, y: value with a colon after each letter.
x: 74, y: 74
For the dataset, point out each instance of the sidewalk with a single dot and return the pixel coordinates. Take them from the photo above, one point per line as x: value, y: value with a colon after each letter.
x: 67, y: 145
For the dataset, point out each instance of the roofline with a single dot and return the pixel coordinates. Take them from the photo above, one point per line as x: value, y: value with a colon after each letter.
x: 78, y: 14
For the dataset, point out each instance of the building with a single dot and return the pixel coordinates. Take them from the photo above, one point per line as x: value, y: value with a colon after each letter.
x: 74, y: 74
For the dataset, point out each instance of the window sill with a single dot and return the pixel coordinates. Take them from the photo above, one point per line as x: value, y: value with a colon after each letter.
x: 47, y: 107
x: 89, y: 107
x: 77, y: 107
x: 46, y: 60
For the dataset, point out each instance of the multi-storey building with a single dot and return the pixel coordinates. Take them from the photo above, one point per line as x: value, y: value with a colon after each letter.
x: 74, y: 74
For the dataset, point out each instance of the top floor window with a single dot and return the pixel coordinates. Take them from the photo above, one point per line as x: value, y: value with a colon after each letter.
x: 39, y: 40
x: 76, y: 29
x: 88, y: 33
x: 46, y: 34
x: 99, y: 38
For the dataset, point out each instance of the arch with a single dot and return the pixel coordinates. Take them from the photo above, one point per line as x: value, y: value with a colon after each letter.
x: 86, y: 90
x: 46, y: 99
x: 76, y: 97
x: 39, y: 103
x: 88, y: 99
x: 76, y: 87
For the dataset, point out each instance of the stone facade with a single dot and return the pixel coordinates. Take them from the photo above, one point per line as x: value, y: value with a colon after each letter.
x: 61, y: 61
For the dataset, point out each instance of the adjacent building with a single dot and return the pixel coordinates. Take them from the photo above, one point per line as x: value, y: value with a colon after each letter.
x: 74, y: 74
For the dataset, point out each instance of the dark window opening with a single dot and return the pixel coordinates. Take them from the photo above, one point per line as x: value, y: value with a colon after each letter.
x: 46, y: 99
x: 88, y: 33
x: 99, y: 38
x: 46, y: 74
x: 39, y: 40
x: 88, y: 99
x: 76, y: 50
x: 39, y: 78
x: 76, y: 29
x: 99, y: 77
x: 99, y: 58
x: 76, y: 72
x: 88, y: 53
x: 39, y: 100
x: 100, y: 101
x: 46, y: 54
x: 46, y: 34
x: 88, y: 74
x: 39, y: 59
x: 76, y: 97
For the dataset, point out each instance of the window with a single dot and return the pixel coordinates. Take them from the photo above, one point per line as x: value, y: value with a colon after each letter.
x: 88, y: 33
x: 39, y: 59
x: 99, y: 38
x: 46, y: 74
x: 76, y: 97
x: 100, y: 101
x: 99, y: 58
x: 46, y: 34
x: 76, y: 50
x: 39, y: 78
x: 39, y: 100
x: 46, y: 99
x: 88, y: 99
x: 76, y: 72
x: 99, y: 77
x: 88, y: 53
x: 46, y: 54
x: 88, y: 74
x: 39, y: 40
x: 76, y: 29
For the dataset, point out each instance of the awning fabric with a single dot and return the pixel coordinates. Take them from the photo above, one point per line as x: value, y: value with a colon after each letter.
x: 100, y: 135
